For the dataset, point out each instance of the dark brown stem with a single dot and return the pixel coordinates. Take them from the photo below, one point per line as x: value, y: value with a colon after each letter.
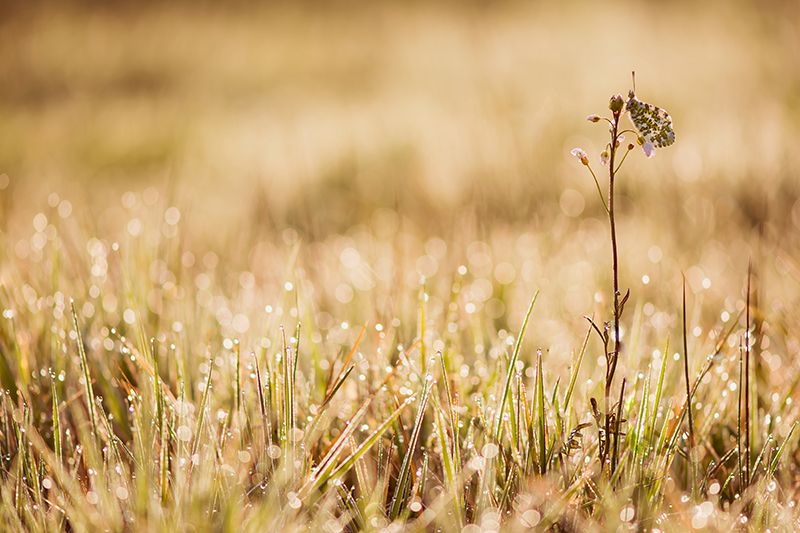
x: 688, y: 391
x: 747, y: 381
x: 611, y: 363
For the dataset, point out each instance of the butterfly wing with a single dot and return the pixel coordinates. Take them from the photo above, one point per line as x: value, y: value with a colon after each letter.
x: 653, y: 123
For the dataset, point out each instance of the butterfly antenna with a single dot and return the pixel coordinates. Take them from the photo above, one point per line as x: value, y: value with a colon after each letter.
x: 633, y: 79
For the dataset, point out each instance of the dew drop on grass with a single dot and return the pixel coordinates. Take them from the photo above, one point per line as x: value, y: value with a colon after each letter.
x: 699, y: 521
x: 531, y: 518
x: 490, y: 450
x: 274, y: 451
x: 294, y: 501
x: 627, y: 513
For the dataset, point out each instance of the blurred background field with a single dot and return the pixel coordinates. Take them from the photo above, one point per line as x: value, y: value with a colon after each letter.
x: 315, y: 114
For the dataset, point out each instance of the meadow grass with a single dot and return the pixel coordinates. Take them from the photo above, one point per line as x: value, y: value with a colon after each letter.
x: 128, y: 402
x: 348, y: 303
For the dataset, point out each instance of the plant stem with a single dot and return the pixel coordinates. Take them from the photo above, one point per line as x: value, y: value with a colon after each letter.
x: 688, y: 393
x: 611, y: 363
x: 747, y: 380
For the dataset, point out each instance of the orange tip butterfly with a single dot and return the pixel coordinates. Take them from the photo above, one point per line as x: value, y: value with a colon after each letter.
x: 653, y: 123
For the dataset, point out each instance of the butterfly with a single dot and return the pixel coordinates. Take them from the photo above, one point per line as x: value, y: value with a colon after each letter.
x: 653, y: 123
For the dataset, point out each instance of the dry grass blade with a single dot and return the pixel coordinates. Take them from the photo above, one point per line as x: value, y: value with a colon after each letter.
x: 327, y: 463
x: 87, y: 378
x: 359, y: 452
x: 202, y: 409
x: 405, y: 468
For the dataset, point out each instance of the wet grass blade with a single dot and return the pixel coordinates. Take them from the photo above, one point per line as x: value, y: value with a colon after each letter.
x: 448, y: 463
x: 203, y: 405
x: 541, y: 422
x: 363, y: 448
x: 328, y: 461
x: 574, y: 377
x: 773, y: 466
x: 59, y: 454
x: 405, y: 468
x: 510, y: 370
x: 86, y: 374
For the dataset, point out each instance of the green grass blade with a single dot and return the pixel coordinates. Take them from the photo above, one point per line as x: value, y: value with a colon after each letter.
x: 541, y: 422
x: 773, y: 466
x: 510, y: 371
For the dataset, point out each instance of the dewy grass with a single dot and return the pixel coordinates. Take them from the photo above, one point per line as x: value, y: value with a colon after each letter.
x: 445, y: 407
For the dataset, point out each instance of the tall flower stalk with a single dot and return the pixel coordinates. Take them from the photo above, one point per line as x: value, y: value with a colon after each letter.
x: 653, y: 128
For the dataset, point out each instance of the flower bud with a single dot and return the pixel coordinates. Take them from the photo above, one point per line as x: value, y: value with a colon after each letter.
x: 580, y: 155
x: 593, y: 118
x: 630, y: 146
x: 616, y: 103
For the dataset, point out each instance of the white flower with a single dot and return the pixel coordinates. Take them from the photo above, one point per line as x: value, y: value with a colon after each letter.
x: 604, y: 157
x: 581, y: 155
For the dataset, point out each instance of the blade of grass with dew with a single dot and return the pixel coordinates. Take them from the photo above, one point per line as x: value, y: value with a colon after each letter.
x: 617, y: 422
x: 405, y: 468
x: 262, y: 406
x: 764, y: 449
x: 327, y: 463
x: 86, y: 374
x: 640, y: 435
x: 202, y: 408
x: 56, y: 421
x: 659, y: 392
x: 573, y: 378
x: 510, y: 371
x: 287, y: 394
x: 773, y: 466
x: 452, y: 413
x: 448, y: 463
x: 541, y: 422
x: 164, y: 458
x: 237, y: 378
